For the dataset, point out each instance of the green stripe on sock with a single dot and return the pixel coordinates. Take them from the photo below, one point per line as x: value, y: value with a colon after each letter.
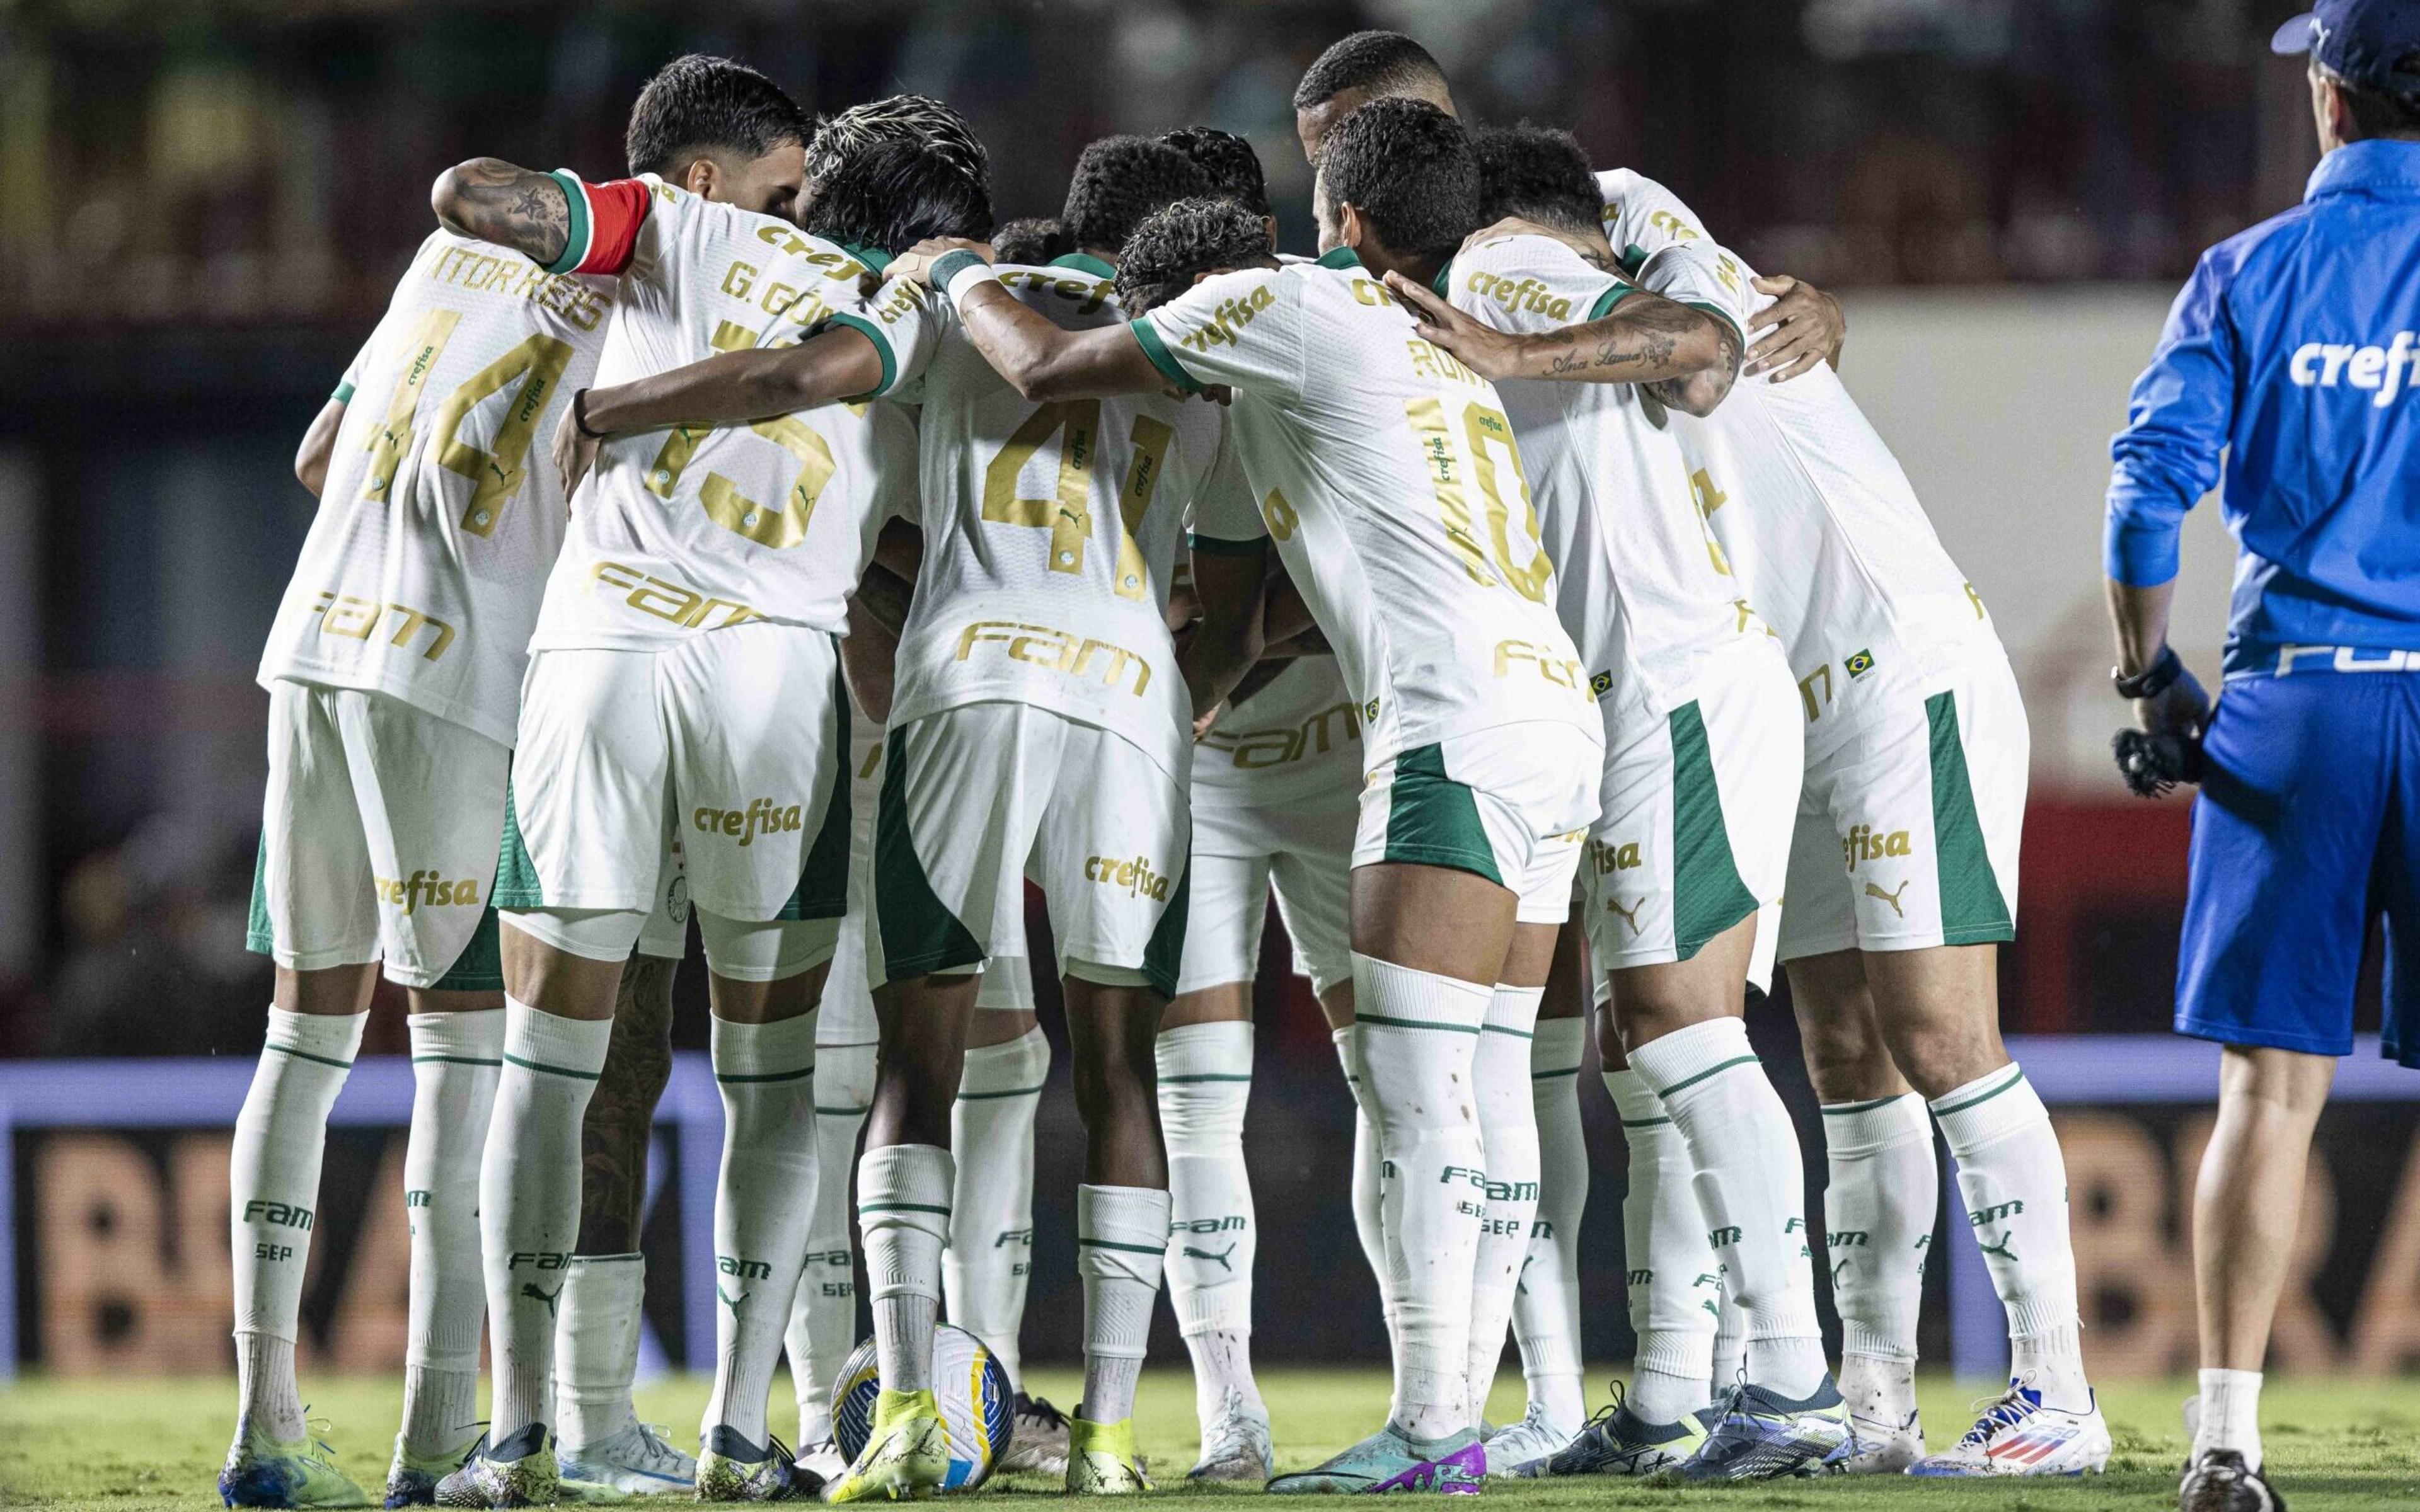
x: 305, y: 1054
x: 454, y: 1061
x: 1711, y: 1071
x: 1498, y: 1028
x: 1385, y: 1023
x: 1643, y: 1123
x: 764, y: 1077
x: 843, y: 1113
x: 901, y: 1207
x: 1130, y: 1249
x: 1019, y: 1091
x: 1843, y: 1109
x: 1542, y: 1075
x: 552, y: 1071
x: 1984, y: 1096
x: 1206, y: 1076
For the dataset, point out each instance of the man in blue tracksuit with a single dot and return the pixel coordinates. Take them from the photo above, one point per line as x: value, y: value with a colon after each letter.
x: 2294, y: 351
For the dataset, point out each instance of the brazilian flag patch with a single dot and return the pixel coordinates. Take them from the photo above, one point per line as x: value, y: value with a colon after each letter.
x: 1860, y: 663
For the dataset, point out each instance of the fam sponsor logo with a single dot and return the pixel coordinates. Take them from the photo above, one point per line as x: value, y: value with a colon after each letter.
x: 1056, y: 650
x: 2383, y: 372
x: 348, y: 618
x: 1331, y: 729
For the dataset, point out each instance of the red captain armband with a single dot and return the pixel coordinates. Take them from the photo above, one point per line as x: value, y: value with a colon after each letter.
x: 605, y: 221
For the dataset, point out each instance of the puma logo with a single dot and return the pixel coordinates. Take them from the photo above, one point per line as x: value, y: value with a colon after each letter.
x: 1873, y: 890
x: 2005, y: 1249
x: 1629, y: 915
x: 1224, y: 1257
x: 553, y: 1299
x: 729, y: 1301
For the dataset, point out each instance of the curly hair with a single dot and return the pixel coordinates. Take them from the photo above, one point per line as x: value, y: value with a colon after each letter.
x: 1233, y: 167
x: 1119, y: 180
x: 1536, y: 173
x: 1408, y: 168
x: 894, y: 195
x: 1175, y: 244
x: 697, y: 104
x: 918, y: 118
x: 1376, y: 62
x: 1032, y: 240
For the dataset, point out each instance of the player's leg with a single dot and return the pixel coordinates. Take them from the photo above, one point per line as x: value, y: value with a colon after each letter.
x: 314, y: 910
x: 1547, y: 1308
x: 1508, y: 1132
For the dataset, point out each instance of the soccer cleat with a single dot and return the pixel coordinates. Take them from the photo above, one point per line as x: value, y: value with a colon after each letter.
x: 1390, y: 1460
x: 1101, y: 1459
x: 1757, y: 1435
x: 2218, y: 1480
x: 637, y: 1461
x: 821, y: 1461
x: 264, y: 1471
x: 906, y: 1457
x: 1235, y: 1446
x: 1617, y: 1441
x: 515, y: 1470
x: 1039, y: 1442
x: 2018, y: 1435
x: 1882, y: 1449
x: 1535, y: 1436
x: 731, y: 1468
x: 411, y: 1479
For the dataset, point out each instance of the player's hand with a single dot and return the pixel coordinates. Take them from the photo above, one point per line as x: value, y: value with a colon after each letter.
x: 1802, y: 327
x: 1202, y: 721
x: 2165, y: 747
x: 1484, y: 350
x: 574, y: 455
x: 916, y: 263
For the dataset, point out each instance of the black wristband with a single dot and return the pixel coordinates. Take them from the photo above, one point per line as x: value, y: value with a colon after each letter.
x: 2151, y: 681
x: 579, y: 415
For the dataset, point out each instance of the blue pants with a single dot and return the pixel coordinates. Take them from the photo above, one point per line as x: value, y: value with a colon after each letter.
x: 2307, y: 826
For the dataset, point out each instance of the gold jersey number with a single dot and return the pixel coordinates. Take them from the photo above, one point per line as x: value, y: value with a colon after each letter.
x: 1452, y: 475
x: 777, y: 526
x: 1074, y: 424
x: 535, y: 364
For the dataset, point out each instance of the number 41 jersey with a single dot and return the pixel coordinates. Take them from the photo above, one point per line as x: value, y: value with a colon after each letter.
x: 442, y: 513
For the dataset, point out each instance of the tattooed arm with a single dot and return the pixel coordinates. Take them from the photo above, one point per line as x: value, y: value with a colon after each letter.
x: 494, y: 201
x: 1644, y: 339
x: 1700, y: 391
x: 622, y: 1110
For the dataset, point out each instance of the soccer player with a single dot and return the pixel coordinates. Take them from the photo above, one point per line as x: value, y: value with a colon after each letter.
x: 2290, y: 352
x: 1036, y: 645
x: 1916, y: 774
x: 684, y: 664
x: 1702, y: 771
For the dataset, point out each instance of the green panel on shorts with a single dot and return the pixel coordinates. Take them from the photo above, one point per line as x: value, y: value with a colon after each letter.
x: 1708, y: 896
x: 1433, y: 820
x: 259, y: 936
x: 1972, y: 910
x: 516, y: 873
x: 1165, y: 952
x: 480, y: 967
x: 822, y: 891
x: 919, y: 933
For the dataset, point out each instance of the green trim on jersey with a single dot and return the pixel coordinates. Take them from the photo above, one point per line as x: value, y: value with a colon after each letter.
x: 881, y: 348
x: 260, y: 934
x: 1084, y: 262
x: 1613, y: 295
x: 1972, y: 909
x: 344, y: 394
x: 575, y: 244
x: 1212, y: 545
x: 1340, y: 258
x: 517, y: 884
x: 1164, y: 950
x: 1157, y: 349
x: 874, y: 257
x: 1431, y: 820
x: 920, y: 934
x: 1720, y: 314
x: 1708, y: 896
x: 822, y: 891
x: 480, y: 967
x: 1632, y: 258
x: 1442, y: 286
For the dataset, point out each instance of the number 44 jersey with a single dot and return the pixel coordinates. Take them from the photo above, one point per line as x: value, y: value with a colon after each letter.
x: 441, y: 514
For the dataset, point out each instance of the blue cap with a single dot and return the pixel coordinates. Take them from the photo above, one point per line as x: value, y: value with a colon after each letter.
x: 2367, y: 42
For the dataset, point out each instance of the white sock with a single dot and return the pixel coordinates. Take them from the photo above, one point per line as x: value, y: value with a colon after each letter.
x: 273, y: 1195
x: 1121, y: 1243
x: 2230, y: 1414
x: 1368, y: 1199
x: 529, y: 1200
x: 763, y: 1202
x: 1205, y: 1079
x: 902, y: 1212
x: 1676, y: 1282
x: 1752, y: 1184
x: 2014, y: 1182
x: 597, y: 1347
x: 1547, y: 1310
x: 823, y: 1319
x: 991, y: 1228
x: 1508, y: 1133
x: 455, y: 1059
x: 1730, y: 1345
x: 1877, y: 1212
x: 1418, y: 1034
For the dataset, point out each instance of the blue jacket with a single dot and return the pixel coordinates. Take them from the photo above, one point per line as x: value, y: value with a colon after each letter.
x: 2295, y: 347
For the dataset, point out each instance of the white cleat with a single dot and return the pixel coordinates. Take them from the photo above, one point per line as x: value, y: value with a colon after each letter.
x: 1236, y: 1444
x: 1039, y: 1444
x: 2018, y: 1435
x: 1881, y: 1448
x: 821, y: 1459
x: 1535, y: 1436
x: 637, y: 1461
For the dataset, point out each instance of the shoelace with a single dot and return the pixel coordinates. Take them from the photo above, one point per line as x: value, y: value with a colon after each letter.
x: 1602, y: 1417
x: 655, y: 1447
x: 313, y: 1430
x: 1998, y: 1414
x: 1039, y: 1407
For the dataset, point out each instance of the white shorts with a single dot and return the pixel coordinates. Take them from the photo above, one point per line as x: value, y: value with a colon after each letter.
x: 1695, y: 835
x: 379, y: 839
x: 1239, y: 855
x: 979, y: 797
x: 1907, y: 833
x: 733, y: 741
x: 1509, y: 804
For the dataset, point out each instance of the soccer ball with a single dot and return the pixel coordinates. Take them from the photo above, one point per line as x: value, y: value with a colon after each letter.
x: 977, y: 1404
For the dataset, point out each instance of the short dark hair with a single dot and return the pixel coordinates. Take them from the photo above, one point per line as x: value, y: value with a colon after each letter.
x: 2378, y: 113
x: 919, y: 118
x: 1188, y: 238
x: 894, y: 195
x: 1536, y: 173
x: 1408, y: 168
x: 1233, y: 167
x: 1032, y: 240
x: 1119, y: 180
x: 696, y: 103
x: 1373, y: 61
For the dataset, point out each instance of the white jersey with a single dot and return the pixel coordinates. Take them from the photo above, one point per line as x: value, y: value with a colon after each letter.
x: 442, y: 514
x: 1052, y: 532
x: 1387, y: 473
x: 694, y: 528
x: 1296, y: 742
x: 1823, y: 529
x: 1643, y: 587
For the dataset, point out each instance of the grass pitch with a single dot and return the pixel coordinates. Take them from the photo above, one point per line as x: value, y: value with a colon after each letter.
x: 137, y: 1445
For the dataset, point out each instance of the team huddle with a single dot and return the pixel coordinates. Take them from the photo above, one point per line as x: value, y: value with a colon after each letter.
x: 1514, y: 592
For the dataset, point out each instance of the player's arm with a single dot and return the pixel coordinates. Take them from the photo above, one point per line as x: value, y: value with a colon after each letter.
x: 319, y: 444
x: 512, y: 206
x: 1803, y: 326
x: 739, y: 388
x: 1038, y: 358
x: 1228, y: 638
x: 1644, y: 338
